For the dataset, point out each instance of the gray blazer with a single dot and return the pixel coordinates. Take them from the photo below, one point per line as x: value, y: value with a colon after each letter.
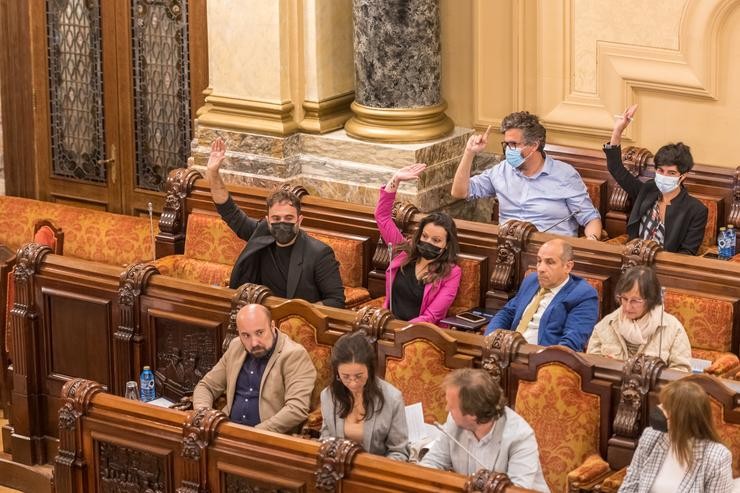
x: 384, y: 434
x: 710, y: 471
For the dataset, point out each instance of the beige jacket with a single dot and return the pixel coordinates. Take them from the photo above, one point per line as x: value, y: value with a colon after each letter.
x: 674, y: 346
x: 285, y: 389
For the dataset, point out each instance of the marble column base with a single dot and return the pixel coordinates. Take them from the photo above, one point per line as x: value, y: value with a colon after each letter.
x: 336, y: 166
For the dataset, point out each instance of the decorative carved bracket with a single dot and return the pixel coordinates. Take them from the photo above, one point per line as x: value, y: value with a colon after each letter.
x: 333, y: 462
x: 734, y: 216
x: 197, y: 434
x: 499, y: 350
x: 639, y: 252
x: 403, y: 213
x: 246, y: 294
x: 635, y: 160
x: 485, y: 481
x: 372, y: 321
x: 640, y: 375
x: 128, y: 333
x: 512, y: 240
x: 179, y: 184
x: 77, y: 394
x: 297, y: 190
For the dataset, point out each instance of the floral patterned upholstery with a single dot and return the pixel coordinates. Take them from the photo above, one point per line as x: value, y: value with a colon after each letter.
x: 183, y: 267
x: 565, y: 420
x: 710, y: 231
x: 468, y: 295
x: 209, y: 238
x: 354, y: 297
x: 88, y: 234
x: 708, y: 321
x: 304, y: 333
x: 729, y: 432
x: 418, y: 375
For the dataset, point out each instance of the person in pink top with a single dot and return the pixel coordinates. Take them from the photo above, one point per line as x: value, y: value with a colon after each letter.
x: 422, y: 279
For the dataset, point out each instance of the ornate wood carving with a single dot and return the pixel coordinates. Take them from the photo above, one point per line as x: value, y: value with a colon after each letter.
x: 639, y: 252
x: 499, y: 349
x: 512, y: 239
x: 403, y: 213
x: 640, y: 375
x: 297, y: 190
x: 127, y: 469
x: 128, y: 333
x: 77, y: 394
x: 179, y: 184
x: 199, y: 430
x: 372, y: 321
x: 635, y: 160
x: 246, y: 294
x: 334, y: 461
x: 185, y: 354
x: 485, y: 481
x: 734, y: 216
x: 238, y: 484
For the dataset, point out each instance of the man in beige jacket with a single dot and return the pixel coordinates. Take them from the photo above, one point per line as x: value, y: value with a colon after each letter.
x: 267, y: 378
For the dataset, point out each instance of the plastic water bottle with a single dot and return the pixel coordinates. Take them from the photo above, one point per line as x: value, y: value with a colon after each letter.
x: 722, y: 244
x: 148, y: 392
x: 731, y: 240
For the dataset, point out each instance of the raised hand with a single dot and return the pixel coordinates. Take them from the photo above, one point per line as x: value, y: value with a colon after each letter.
x: 622, y: 121
x: 409, y: 172
x: 218, y: 152
x: 476, y: 143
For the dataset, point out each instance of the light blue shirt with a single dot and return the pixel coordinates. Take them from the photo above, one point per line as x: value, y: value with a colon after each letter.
x: 543, y: 199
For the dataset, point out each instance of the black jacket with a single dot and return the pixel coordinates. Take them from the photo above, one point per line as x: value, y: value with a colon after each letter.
x: 685, y: 217
x: 313, y: 273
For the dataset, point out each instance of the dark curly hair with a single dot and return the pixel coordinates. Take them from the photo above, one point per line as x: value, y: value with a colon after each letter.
x: 678, y: 154
x: 480, y: 395
x: 280, y: 196
x: 529, y: 124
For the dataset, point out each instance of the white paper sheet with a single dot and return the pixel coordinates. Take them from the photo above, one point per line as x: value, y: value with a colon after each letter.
x: 699, y: 365
x: 418, y: 429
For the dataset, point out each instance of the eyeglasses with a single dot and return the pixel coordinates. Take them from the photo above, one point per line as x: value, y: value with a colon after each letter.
x: 353, y: 378
x: 512, y: 145
x: 630, y: 301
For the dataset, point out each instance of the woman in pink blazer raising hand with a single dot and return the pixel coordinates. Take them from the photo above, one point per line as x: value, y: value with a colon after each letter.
x: 423, y: 278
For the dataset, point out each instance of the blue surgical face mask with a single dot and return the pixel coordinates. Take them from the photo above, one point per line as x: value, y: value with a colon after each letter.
x: 666, y: 184
x: 514, y: 157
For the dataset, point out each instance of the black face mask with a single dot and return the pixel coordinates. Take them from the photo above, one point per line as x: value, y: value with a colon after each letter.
x: 658, y: 420
x: 428, y: 251
x: 283, y: 232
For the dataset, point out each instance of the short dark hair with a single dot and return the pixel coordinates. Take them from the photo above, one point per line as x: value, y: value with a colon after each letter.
x: 647, y: 283
x: 529, y: 124
x: 440, y: 267
x: 280, y: 196
x: 355, y: 348
x: 678, y: 154
x: 480, y: 395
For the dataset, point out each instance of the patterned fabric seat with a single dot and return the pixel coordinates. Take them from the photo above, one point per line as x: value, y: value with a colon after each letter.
x: 565, y: 414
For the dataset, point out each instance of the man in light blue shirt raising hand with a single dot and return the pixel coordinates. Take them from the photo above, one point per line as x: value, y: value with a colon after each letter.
x: 529, y: 185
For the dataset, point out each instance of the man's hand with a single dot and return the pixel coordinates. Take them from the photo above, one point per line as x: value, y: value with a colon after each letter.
x: 622, y: 121
x: 218, y: 152
x: 476, y: 143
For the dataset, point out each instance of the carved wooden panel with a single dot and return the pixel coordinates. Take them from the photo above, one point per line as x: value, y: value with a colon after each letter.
x: 123, y: 469
x: 238, y: 484
x: 184, y: 353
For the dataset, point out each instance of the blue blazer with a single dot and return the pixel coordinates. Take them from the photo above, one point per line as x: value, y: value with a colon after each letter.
x: 567, y: 321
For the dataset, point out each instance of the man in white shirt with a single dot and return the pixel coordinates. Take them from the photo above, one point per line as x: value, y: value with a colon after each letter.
x: 496, y: 438
x: 552, y: 306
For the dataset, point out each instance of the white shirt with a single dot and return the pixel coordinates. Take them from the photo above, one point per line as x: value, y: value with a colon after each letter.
x: 533, y: 329
x: 669, y: 476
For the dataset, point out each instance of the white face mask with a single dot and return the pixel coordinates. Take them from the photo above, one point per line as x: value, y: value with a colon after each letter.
x: 666, y: 184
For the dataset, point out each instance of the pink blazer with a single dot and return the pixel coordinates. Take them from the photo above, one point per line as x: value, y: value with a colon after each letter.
x: 439, y: 295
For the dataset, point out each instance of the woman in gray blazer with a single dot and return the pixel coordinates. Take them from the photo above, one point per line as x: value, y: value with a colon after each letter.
x: 361, y: 407
x: 681, y: 451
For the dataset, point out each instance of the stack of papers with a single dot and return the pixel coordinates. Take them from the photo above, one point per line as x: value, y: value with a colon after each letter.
x: 699, y: 365
x: 418, y: 429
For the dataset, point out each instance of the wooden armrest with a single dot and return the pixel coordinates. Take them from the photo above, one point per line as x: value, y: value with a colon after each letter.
x: 593, y: 470
x: 312, y: 427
